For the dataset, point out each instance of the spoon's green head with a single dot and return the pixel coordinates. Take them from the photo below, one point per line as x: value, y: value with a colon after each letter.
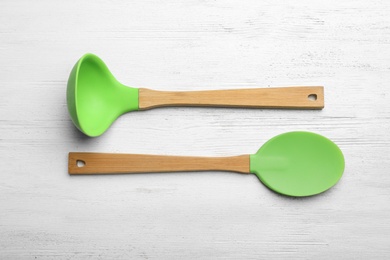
x: 298, y: 164
x: 95, y: 98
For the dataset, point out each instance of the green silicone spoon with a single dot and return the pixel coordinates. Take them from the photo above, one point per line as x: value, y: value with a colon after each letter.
x: 96, y: 99
x: 293, y: 164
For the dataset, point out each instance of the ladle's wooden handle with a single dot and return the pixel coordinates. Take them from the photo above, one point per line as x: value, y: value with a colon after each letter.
x: 105, y: 163
x: 286, y: 97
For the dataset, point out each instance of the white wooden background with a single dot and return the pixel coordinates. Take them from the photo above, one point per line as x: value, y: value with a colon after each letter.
x: 193, y: 45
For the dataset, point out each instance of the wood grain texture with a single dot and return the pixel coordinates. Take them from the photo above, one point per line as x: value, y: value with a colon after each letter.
x: 110, y: 163
x: 288, y: 97
x: 193, y: 46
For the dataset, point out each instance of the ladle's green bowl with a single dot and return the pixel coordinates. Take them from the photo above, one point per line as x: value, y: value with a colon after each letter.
x: 95, y: 98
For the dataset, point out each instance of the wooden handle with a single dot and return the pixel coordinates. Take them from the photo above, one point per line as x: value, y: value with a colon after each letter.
x: 105, y: 163
x: 287, y: 97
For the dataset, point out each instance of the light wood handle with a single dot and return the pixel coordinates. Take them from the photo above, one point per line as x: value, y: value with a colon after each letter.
x: 105, y: 163
x: 286, y: 97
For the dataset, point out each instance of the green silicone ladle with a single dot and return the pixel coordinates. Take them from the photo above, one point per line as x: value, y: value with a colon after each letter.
x: 294, y: 164
x: 95, y: 98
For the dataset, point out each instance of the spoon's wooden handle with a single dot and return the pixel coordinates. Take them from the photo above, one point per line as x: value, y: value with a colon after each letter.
x: 105, y: 163
x: 286, y: 97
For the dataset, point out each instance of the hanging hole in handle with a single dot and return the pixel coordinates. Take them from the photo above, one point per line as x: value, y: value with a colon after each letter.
x: 80, y: 163
x: 312, y: 97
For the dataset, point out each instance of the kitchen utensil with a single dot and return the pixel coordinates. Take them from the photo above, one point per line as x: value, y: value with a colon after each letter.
x: 96, y: 99
x: 293, y: 164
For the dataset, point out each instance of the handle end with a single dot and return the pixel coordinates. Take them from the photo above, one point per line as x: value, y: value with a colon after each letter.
x: 315, y: 97
x: 76, y: 163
